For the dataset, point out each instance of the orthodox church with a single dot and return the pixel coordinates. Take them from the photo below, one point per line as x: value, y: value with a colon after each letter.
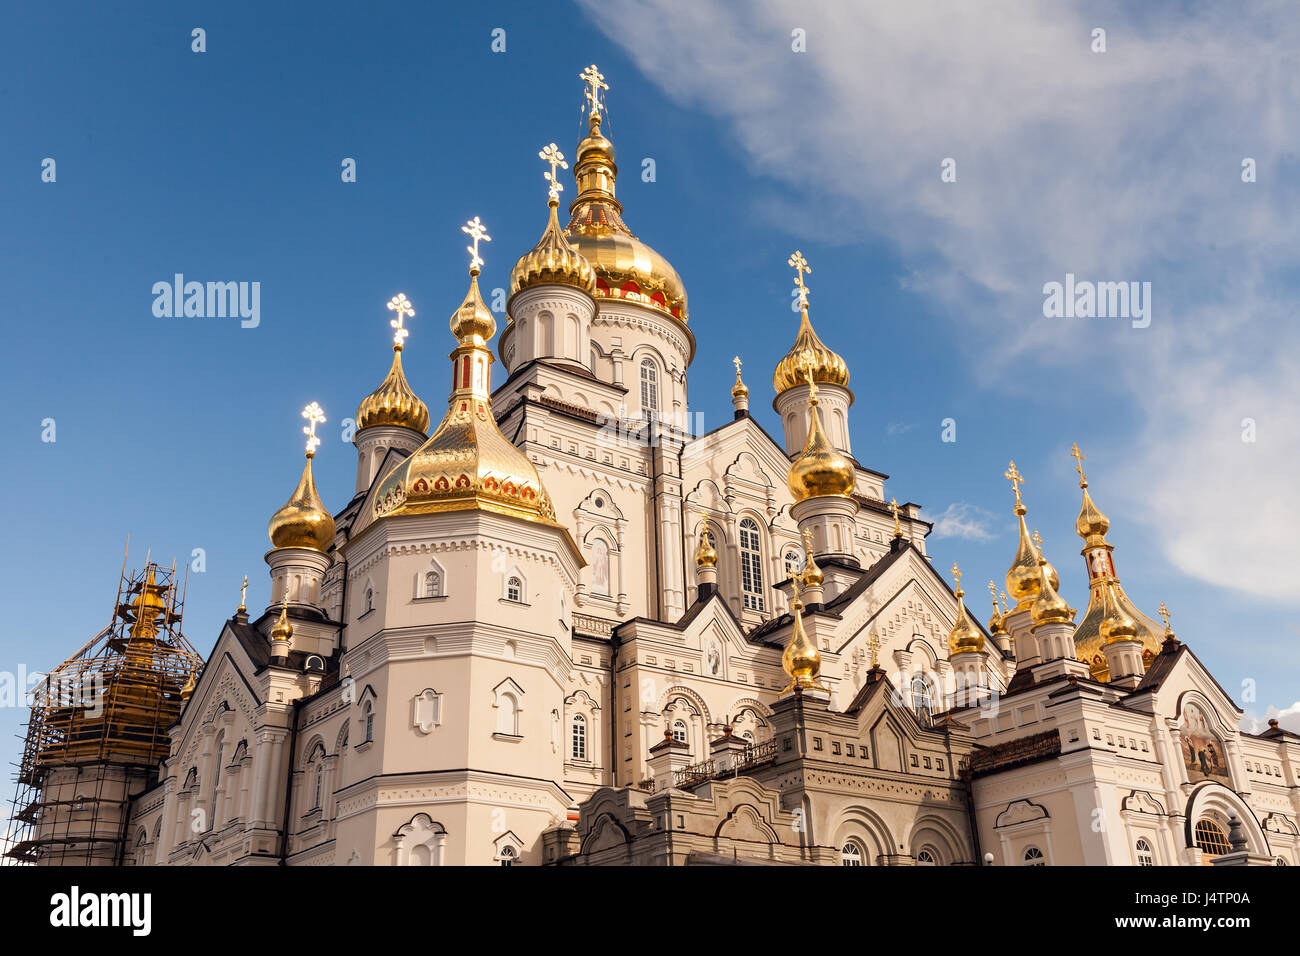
x: 562, y: 629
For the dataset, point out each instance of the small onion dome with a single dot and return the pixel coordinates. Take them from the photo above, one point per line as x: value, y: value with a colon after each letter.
x: 188, y: 690
x: 1050, y: 607
x: 964, y: 636
x: 472, y: 323
x: 705, y: 555
x: 1024, y: 573
x: 740, y: 389
x: 801, y: 659
x: 393, y: 402
x: 809, y: 353
x: 553, y: 261
x: 820, y: 470
x: 1049, y: 571
x: 303, y: 521
x: 283, y: 630
x: 1118, y: 626
x: 997, y: 626
x: 812, y: 576
x: 1091, y: 525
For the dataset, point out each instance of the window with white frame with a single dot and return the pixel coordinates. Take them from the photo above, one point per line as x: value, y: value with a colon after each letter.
x: 1145, y: 856
x: 922, y: 699
x: 508, y: 701
x: 850, y: 854
x: 926, y: 858
x: 507, y: 856
x: 578, y: 742
x: 649, y: 386
x: 793, y: 562
x: 679, y: 731
x: 515, y: 589
x: 368, y: 720
x: 316, y: 772
x: 1033, y: 857
x: 751, y: 565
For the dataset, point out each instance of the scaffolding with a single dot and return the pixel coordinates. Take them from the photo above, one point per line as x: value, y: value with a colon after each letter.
x: 99, y: 728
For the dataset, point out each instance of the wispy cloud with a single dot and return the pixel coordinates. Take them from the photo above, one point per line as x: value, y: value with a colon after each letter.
x: 1288, y: 718
x: 898, y: 428
x: 962, y: 520
x: 1115, y: 166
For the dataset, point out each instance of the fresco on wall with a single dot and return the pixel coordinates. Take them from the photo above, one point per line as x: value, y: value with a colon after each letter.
x: 1203, y: 754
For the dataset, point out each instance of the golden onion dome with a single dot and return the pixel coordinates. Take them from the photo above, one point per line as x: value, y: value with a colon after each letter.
x: 1117, y: 626
x: 801, y: 659
x: 965, y: 636
x: 1049, y: 607
x: 283, y: 630
x: 997, y: 625
x: 1091, y: 525
x: 303, y: 521
x: 626, y: 268
x: 1048, y: 570
x: 1024, y: 573
x: 553, y: 261
x: 706, y: 556
x: 467, y: 464
x: 393, y: 402
x: 1107, y: 599
x: 821, y: 470
x: 812, y: 575
x: 740, y: 389
x: 809, y: 354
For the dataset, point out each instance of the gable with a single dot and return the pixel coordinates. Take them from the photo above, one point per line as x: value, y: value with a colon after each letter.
x: 226, y: 681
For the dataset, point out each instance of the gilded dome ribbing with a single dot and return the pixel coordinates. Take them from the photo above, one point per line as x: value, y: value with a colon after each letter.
x: 801, y: 659
x: 393, y: 402
x: 821, y: 469
x: 553, y: 261
x: 809, y: 353
x: 1049, y: 607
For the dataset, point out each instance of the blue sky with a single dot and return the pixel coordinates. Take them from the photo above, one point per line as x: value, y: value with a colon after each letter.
x: 225, y: 166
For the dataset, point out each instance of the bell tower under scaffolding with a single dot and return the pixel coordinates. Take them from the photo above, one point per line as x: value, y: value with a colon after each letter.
x: 98, y: 728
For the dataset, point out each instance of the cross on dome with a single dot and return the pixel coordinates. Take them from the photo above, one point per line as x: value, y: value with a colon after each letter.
x: 475, y: 229
x: 800, y: 266
x: 551, y: 154
x: 314, y: 415
x: 595, y: 81
x: 402, y: 306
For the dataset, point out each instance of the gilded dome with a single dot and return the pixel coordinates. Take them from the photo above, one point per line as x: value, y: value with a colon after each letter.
x: 1091, y: 525
x: 1049, y: 607
x: 1117, y: 626
x: 706, y: 556
x: 553, y: 261
x: 393, y: 402
x: 467, y: 464
x: 809, y: 353
x: 801, y: 659
x: 283, y: 630
x: 1024, y: 574
x: 997, y: 626
x: 820, y: 470
x: 303, y: 521
x: 965, y: 636
x: 1107, y: 599
x: 625, y: 267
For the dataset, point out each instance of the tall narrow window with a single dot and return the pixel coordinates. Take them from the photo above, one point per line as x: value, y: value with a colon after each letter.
x: 370, y: 722
x: 751, y: 566
x: 679, y: 731
x: 579, y: 744
x: 793, y: 563
x: 922, y: 700
x: 1144, y: 854
x: 600, y: 567
x: 514, y: 590
x: 432, y: 584
x: 370, y: 599
x: 649, y: 386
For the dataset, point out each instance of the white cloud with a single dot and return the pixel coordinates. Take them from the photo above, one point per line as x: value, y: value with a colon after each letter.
x: 962, y: 520
x: 1288, y: 719
x: 898, y: 428
x: 1116, y: 166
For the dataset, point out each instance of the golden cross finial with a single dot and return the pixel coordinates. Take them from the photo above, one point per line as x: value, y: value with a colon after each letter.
x: 956, y: 573
x: 595, y: 81
x: 737, y: 362
x: 800, y: 266
x: 993, y: 591
x: 1038, y: 540
x: 875, y: 643
x: 1015, y: 478
x: 806, y: 534
x: 551, y: 154
x: 1003, y: 595
x: 243, y: 591
x: 314, y: 415
x: 795, y: 581
x: 806, y: 365
x: 478, y: 232
x: 893, y: 506
x: 1164, y: 616
x: 1079, y: 458
x: 402, y: 306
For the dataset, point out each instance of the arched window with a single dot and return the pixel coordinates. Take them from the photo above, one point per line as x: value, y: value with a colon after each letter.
x: 600, y: 567
x: 368, y: 715
x: 1033, y: 857
x: 1144, y: 855
x: 370, y: 600
x: 432, y: 584
x: 649, y: 386
x: 751, y: 566
x: 679, y: 731
x: 514, y: 589
x: 922, y: 700
x: 793, y: 563
x: 748, y: 736
x: 925, y: 858
x: 850, y: 854
x: 578, y: 746
x: 1211, y: 839
x: 316, y: 767
x: 507, y: 856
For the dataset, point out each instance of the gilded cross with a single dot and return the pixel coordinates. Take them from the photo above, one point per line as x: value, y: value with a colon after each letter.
x: 595, y: 81
x: 807, y: 545
x: 806, y: 363
x: 402, y: 306
x: 1004, y: 602
x: 1164, y: 615
x: 956, y: 573
x: 737, y: 362
x: 993, y: 592
x: 1038, y: 540
x: 800, y: 266
x: 893, y: 506
x: 875, y: 644
x: 794, y: 585
x: 1079, y: 458
x: 551, y: 154
x: 243, y: 591
x: 1015, y: 478
x: 314, y: 415
x: 478, y: 232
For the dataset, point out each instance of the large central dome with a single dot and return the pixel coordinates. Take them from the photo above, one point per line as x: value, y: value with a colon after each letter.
x: 626, y: 268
